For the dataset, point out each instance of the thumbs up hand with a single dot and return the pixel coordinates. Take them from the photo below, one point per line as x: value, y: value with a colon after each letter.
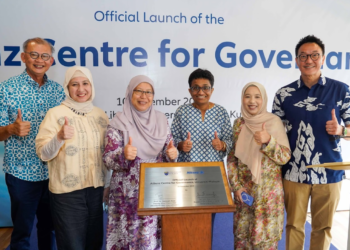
x: 66, y: 132
x: 187, y: 144
x: 171, y: 151
x: 130, y: 151
x: 262, y: 136
x: 216, y: 143
x: 20, y: 127
x: 333, y: 127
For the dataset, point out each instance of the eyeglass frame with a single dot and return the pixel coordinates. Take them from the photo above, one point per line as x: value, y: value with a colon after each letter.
x: 201, y: 88
x: 309, y: 55
x: 139, y: 92
x: 41, y: 55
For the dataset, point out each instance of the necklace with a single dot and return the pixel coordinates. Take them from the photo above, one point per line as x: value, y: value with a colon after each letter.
x: 77, y: 112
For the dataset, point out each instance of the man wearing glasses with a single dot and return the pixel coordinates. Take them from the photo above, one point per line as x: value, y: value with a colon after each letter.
x: 24, y: 101
x: 312, y: 109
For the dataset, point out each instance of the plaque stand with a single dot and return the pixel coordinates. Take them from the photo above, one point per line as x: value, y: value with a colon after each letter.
x: 186, y: 227
x: 336, y: 166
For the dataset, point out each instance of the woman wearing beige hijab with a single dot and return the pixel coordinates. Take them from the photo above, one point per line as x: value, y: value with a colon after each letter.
x: 254, y: 166
x: 71, y: 140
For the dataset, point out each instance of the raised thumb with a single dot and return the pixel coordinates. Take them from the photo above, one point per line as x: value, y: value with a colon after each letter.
x: 188, y: 136
x: 130, y: 141
x: 19, y: 114
x: 334, y: 117
x: 216, y: 135
x: 170, y: 145
x: 66, y: 122
x: 263, y: 126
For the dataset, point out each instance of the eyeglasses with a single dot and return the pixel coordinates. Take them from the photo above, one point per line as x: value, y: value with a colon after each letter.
x: 140, y: 92
x: 314, y: 57
x: 35, y: 55
x: 196, y: 89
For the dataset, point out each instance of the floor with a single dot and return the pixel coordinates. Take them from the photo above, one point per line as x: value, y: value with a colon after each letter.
x: 339, y: 231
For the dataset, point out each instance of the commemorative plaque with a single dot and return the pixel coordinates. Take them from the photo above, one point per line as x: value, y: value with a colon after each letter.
x: 178, y: 185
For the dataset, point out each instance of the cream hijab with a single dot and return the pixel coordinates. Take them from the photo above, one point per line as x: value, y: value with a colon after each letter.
x: 77, y: 71
x: 247, y: 150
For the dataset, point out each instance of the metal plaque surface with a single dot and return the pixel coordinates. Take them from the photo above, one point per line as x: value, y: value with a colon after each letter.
x: 184, y: 187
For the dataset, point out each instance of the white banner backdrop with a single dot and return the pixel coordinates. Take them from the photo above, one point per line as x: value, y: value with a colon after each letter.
x: 238, y: 41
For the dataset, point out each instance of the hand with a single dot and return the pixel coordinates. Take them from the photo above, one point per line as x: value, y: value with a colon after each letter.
x: 20, y: 127
x: 262, y: 136
x: 332, y: 126
x: 106, y: 195
x: 187, y: 144
x: 238, y: 194
x: 217, y: 144
x: 171, y: 151
x: 66, y: 132
x: 130, y: 151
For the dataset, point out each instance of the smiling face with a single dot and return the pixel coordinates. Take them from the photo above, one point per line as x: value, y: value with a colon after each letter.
x: 201, y: 97
x: 252, y: 100
x: 79, y: 89
x: 142, y: 101
x: 36, y: 68
x: 310, y: 68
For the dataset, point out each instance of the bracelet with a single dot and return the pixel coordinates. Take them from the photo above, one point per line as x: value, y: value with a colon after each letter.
x: 344, y: 131
x: 224, y: 147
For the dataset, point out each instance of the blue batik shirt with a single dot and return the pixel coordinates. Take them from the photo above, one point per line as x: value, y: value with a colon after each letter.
x: 189, y: 119
x: 22, y: 92
x: 305, y: 112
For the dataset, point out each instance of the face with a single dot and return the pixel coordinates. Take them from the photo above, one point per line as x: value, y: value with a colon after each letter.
x: 142, y: 101
x: 310, y: 67
x: 252, y: 100
x: 201, y: 97
x: 37, y: 67
x: 79, y: 89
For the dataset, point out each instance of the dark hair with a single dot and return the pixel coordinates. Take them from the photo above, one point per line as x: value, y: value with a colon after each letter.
x: 201, y: 73
x: 309, y: 39
x: 37, y: 40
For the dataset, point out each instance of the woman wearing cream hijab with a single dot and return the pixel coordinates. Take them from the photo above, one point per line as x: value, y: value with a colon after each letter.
x: 71, y: 140
x: 254, y: 166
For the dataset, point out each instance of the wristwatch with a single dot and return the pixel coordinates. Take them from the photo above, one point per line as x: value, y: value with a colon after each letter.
x: 345, y: 131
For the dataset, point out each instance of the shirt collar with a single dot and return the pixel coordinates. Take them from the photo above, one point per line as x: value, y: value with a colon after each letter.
x: 29, y: 79
x: 321, y: 81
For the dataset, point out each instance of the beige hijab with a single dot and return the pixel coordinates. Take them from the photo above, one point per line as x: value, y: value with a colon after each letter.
x: 247, y: 150
x: 77, y: 71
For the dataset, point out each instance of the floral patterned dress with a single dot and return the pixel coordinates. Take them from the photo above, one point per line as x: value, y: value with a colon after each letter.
x: 258, y: 226
x: 126, y: 230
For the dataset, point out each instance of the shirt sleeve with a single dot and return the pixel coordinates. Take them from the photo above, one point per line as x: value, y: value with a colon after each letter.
x: 176, y: 127
x: 226, y: 135
x: 4, y: 115
x: 277, y: 107
x: 276, y: 152
x: 167, y: 141
x: 345, y: 108
x: 113, y: 156
x: 47, y: 131
x: 232, y: 161
x: 50, y: 149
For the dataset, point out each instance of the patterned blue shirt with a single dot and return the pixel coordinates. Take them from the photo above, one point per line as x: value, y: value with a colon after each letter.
x: 22, y: 92
x: 189, y: 119
x: 305, y: 112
